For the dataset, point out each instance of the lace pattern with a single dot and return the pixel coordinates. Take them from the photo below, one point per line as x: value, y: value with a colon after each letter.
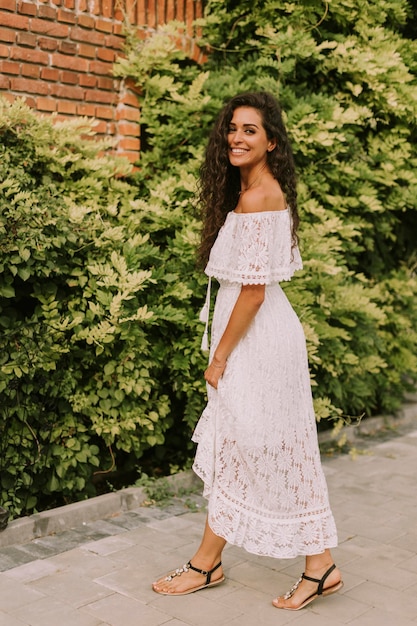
x: 254, y: 248
x: 257, y: 447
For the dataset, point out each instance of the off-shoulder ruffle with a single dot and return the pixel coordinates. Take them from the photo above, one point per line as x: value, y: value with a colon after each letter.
x: 254, y: 249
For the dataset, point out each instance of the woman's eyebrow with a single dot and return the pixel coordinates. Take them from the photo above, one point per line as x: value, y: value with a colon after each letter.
x: 244, y: 125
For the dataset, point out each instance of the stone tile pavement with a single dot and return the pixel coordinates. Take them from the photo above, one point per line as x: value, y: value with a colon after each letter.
x: 98, y: 573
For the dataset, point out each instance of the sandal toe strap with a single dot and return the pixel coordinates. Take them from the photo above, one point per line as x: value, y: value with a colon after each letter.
x: 186, y: 568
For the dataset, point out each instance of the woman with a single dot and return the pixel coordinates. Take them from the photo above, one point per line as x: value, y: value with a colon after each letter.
x: 257, y: 447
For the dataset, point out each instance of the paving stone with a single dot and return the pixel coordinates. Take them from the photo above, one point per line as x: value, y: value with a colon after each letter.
x: 51, y: 612
x: 32, y: 571
x: 12, y: 557
x: 100, y: 573
x: 9, y: 620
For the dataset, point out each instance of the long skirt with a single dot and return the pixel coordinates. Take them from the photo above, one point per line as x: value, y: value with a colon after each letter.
x: 257, y: 450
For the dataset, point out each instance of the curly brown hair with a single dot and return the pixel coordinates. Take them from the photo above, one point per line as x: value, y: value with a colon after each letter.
x: 219, y: 184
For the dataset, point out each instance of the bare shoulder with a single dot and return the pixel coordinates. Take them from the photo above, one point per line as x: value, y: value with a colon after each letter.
x: 269, y: 197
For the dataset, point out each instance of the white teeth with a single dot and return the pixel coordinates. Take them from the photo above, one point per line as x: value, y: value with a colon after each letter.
x: 237, y: 151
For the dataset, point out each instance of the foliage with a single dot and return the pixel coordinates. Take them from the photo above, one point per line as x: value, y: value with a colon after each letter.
x: 345, y: 75
x: 91, y: 297
x: 100, y: 362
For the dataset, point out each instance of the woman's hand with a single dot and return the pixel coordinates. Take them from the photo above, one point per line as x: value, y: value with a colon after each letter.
x: 214, y: 372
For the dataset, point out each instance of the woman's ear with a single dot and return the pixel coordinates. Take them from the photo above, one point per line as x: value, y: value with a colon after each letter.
x: 272, y: 145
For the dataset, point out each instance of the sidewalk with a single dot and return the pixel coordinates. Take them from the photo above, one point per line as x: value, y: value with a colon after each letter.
x: 99, y: 573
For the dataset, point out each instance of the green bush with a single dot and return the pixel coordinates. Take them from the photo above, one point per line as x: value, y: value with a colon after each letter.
x: 100, y: 362
x: 345, y: 75
x: 93, y: 291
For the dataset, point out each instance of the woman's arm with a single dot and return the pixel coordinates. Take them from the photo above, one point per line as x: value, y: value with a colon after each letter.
x: 247, y: 305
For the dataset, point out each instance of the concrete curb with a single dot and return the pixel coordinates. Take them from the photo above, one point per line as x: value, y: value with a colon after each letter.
x: 63, y: 518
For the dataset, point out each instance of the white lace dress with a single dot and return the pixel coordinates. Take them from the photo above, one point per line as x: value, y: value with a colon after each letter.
x: 257, y: 447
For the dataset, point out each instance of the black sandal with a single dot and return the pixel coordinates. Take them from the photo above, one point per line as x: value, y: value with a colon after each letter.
x: 183, y: 570
x: 321, y: 591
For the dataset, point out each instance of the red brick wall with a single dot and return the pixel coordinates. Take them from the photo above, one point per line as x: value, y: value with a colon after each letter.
x: 58, y: 55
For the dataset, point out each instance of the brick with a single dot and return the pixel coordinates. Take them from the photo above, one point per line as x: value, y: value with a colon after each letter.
x: 8, y: 67
x: 84, y: 50
x: 50, y: 74
x: 4, y: 50
x: 103, y: 97
x: 4, y: 82
x: 199, y: 10
x: 69, y: 4
x: 91, y: 37
x: 49, y: 28
x: 94, y: 8
x: 118, y: 29
x: 129, y: 144
x: 68, y: 17
x: 19, y: 22
x: 107, y: 8
x: 118, y: 14
x: 32, y: 56
x: 170, y: 10
x: 86, y: 21
x: 129, y: 98
x: 128, y: 129
x: 132, y: 87
x: 29, y: 86
x: 32, y: 71
x: 9, y: 97
x: 66, y: 92
x: 69, y: 63
x: 7, y: 35
x: 104, y: 26
x: 45, y: 43
x: 106, y: 83
x: 106, y: 55
x: 112, y: 41
x: 126, y: 113
x: 31, y: 102
x: 67, y: 47
x: 8, y: 5
x: 26, y: 39
x: 100, y: 128
x: 88, y: 81
x: 106, y: 113
x: 70, y: 108
x: 46, y: 104
x: 70, y: 78
x: 87, y: 110
x: 98, y: 67
x: 180, y: 15
x: 47, y: 13
x: 27, y: 8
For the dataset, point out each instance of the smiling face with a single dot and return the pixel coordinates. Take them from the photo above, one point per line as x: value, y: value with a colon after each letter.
x: 247, y: 139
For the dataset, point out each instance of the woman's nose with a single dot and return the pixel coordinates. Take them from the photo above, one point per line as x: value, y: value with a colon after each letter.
x: 237, y: 137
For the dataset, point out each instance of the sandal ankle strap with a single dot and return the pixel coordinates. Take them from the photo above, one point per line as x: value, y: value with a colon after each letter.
x: 320, y: 581
x: 206, y: 573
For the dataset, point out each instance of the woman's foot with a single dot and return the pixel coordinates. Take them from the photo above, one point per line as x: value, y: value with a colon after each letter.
x: 188, y: 579
x: 311, y: 585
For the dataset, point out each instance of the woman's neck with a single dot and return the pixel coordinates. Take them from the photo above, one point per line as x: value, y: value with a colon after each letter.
x: 250, y: 179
